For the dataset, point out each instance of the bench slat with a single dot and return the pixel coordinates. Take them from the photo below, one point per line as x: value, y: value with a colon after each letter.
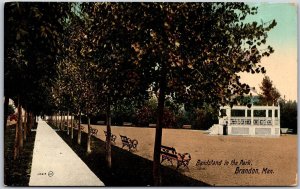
x: 169, y: 148
x: 169, y: 153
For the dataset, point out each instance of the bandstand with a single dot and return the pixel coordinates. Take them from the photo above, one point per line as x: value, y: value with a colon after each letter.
x: 243, y: 120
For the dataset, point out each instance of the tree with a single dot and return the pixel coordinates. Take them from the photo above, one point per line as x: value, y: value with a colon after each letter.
x: 147, y: 114
x: 31, y: 44
x: 125, y: 112
x: 193, y: 52
x: 190, y: 51
x: 118, y: 78
x: 269, y: 94
x: 288, y: 115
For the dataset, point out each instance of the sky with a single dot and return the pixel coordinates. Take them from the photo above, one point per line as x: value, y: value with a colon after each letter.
x: 281, y: 66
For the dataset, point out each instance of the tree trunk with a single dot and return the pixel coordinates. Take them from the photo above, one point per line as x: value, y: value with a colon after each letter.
x: 63, y: 121
x: 72, y: 135
x: 25, y: 125
x: 60, y: 121
x: 79, y: 130
x: 28, y: 123
x: 89, y: 136
x: 68, y: 123
x: 16, y: 148
x: 108, y: 140
x: 56, y: 121
x: 6, y: 103
x: 31, y: 120
x: 20, y: 125
x: 19, y: 133
x: 158, y: 132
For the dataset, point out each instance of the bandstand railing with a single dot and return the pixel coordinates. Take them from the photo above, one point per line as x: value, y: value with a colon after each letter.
x: 240, y: 121
x: 263, y: 121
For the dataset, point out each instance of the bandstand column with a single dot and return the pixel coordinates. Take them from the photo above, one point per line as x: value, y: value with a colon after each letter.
x: 273, y: 115
x: 267, y: 116
x: 228, y: 112
x: 252, y: 115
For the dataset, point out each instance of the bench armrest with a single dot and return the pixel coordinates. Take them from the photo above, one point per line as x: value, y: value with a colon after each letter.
x: 184, y: 156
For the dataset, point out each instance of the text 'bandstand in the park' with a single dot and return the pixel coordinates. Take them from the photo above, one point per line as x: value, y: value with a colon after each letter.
x: 244, y: 120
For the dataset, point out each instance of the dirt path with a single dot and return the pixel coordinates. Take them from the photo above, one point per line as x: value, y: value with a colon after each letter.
x: 252, y: 161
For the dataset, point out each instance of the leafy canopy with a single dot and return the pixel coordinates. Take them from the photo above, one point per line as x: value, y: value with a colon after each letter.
x: 200, y: 47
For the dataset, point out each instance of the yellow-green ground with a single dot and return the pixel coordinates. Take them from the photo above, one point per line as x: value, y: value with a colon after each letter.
x: 273, y: 159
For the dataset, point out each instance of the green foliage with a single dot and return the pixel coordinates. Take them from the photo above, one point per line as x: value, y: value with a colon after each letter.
x: 175, y: 116
x: 148, y: 114
x: 203, y: 119
x: 288, y: 115
x: 145, y: 115
x: 248, y: 100
x: 270, y: 94
x: 169, y: 120
x: 182, y: 118
x: 124, y: 112
x: 33, y: 36
x: 173, y: 38
x: 133, y: 43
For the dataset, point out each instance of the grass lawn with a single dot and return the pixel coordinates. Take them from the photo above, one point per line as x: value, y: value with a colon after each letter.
x: 128, y: 169
x: 278, y: 154
x: 273, y: 159
x: 17, y: 172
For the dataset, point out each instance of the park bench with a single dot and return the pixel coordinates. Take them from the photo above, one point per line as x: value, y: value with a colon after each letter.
x: 290, y: 131
x: 112, y: 137
x: 170, y: 154
x: 152, y: 125
x: 284, y: 130
x: 81, y: 127
x: 187, y: 126
x: 94, y: 131
x: 100, y: 122
x: 131, y: 144
x: 127, y: 124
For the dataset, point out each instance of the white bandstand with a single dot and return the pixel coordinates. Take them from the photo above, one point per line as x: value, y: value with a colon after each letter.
x: 243, y: 120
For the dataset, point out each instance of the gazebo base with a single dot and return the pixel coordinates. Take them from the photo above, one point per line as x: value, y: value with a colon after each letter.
x: 254, y: 130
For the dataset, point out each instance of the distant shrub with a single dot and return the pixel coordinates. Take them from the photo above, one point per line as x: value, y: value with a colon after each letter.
x: 288, y: 115
x: 145, y: 115
x: 148, y: 114
x: 203, y: 119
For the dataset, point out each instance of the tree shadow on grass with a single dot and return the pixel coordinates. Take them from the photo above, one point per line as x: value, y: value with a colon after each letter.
x: 128, y: 169
x: 17, y: 172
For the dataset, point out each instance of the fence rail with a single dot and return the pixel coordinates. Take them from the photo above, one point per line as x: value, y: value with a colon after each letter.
x: 267, y: 121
